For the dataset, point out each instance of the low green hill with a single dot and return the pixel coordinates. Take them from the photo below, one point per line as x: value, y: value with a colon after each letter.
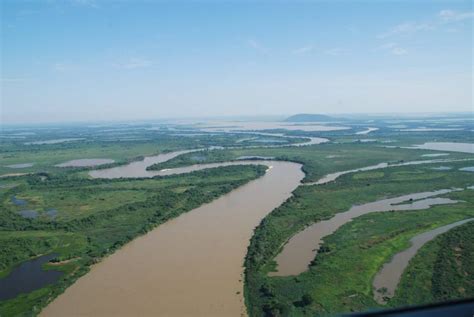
x: 305, y: 117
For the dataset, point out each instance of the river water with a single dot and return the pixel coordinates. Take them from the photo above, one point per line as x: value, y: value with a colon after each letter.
x: 447, y: 146
x: 391, y: 272
x: 367, y: 131
x: 302, y: 248
x: 138, y: 169
x: 85, y: 162
x: 333, y: 176
x: 189, y: 266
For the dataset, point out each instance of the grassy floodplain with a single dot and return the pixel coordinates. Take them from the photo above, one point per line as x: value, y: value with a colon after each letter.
x: 317, y: 160
x: 93, y: 217
x: 355, y: 252
x: 83, y: 220
x: 116, y: 144
x: 301, y: 295
x: 441, y: 271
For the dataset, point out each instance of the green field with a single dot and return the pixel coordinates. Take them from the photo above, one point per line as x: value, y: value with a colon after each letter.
x: 357, y: 250
x: 46, y: 156
x: 317, y: 160
x: 96, y: 217
x: 83, y: 220
x: 440, y: 271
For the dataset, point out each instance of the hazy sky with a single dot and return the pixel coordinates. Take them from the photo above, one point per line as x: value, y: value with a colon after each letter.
x: 97, y: 60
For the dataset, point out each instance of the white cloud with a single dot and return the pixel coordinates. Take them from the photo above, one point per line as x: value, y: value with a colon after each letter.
x: 335, y: 51
x: 454, y: 16
x: 134, y: 63
x: 393, y: 48
x: 407, y: 28
x: 387, y: 46
x: 256, y: 45
x: 12, y: 79
x: 27, y: 12
x: 399, y: 51
x: 86, y: 3
x: 64, y: 67
x: 443, y: 17
x: 302, y: 50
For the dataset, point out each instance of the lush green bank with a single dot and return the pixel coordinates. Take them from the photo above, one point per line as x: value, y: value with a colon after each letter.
x: 442, y: 270
x: 120, y: 146
x: 341, y: 277
x: 95, y: 218
x: 317, y: 160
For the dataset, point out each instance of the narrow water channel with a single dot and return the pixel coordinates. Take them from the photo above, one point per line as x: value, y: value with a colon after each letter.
x: 446, y: 146
x: 333, y: 176
x: 302, y: 248
x: 191, y: 265
x: 138, y: 168
x: 389, y: 276
x: 27, y: 277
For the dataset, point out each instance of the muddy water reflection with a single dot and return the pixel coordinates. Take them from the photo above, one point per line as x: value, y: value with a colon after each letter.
x: 138, y: 168
x: 389, y: 276
x: 301, y: 249
x: 367, y: 131
x: 22, y: 165
x: 447, y: 146
x: 232, y: 126
x: 189, y: 266
x: 333, y: 176
x: 311, y: 140
x: 85, y: 162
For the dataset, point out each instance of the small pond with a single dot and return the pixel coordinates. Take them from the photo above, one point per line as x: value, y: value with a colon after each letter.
x: 28, y: 213
x: 22, y: 165
x: 27, y: 277
x: 441, y: 168
x: 18, y: 202
x: 85, y: 162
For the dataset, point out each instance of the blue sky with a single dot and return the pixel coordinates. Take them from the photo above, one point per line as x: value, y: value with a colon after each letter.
x: 98, y: 60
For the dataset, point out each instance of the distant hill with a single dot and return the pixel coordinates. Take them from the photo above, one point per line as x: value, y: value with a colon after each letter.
x: 305, y: 117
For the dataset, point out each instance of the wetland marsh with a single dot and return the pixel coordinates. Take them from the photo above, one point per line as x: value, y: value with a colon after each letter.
x: 201, y: 197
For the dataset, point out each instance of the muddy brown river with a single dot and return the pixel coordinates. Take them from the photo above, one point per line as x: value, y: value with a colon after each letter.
x: 302, y: 248
x: 333, y: 176
x: 447, y: 146
x: 189, y: 266
x: 138, y: 168
x: 390, y: 274
x: 85, y: 162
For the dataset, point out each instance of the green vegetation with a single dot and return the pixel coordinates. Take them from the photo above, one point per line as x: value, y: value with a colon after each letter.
x: 121, y: 145
x: 442, y: 270
x: 46, y: 156
x: 84, y: 220
x: 317, y: 160
x: 355, y: 252
x: 19, y: 246
x: 95, y: 218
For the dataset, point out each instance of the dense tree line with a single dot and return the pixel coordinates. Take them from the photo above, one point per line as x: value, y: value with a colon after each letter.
x: 101, y: 233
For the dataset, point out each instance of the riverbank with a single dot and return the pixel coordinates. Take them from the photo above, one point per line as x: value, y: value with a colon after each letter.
x: 213, y: 237
x: 97, y: 217
x: 355, y: 252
